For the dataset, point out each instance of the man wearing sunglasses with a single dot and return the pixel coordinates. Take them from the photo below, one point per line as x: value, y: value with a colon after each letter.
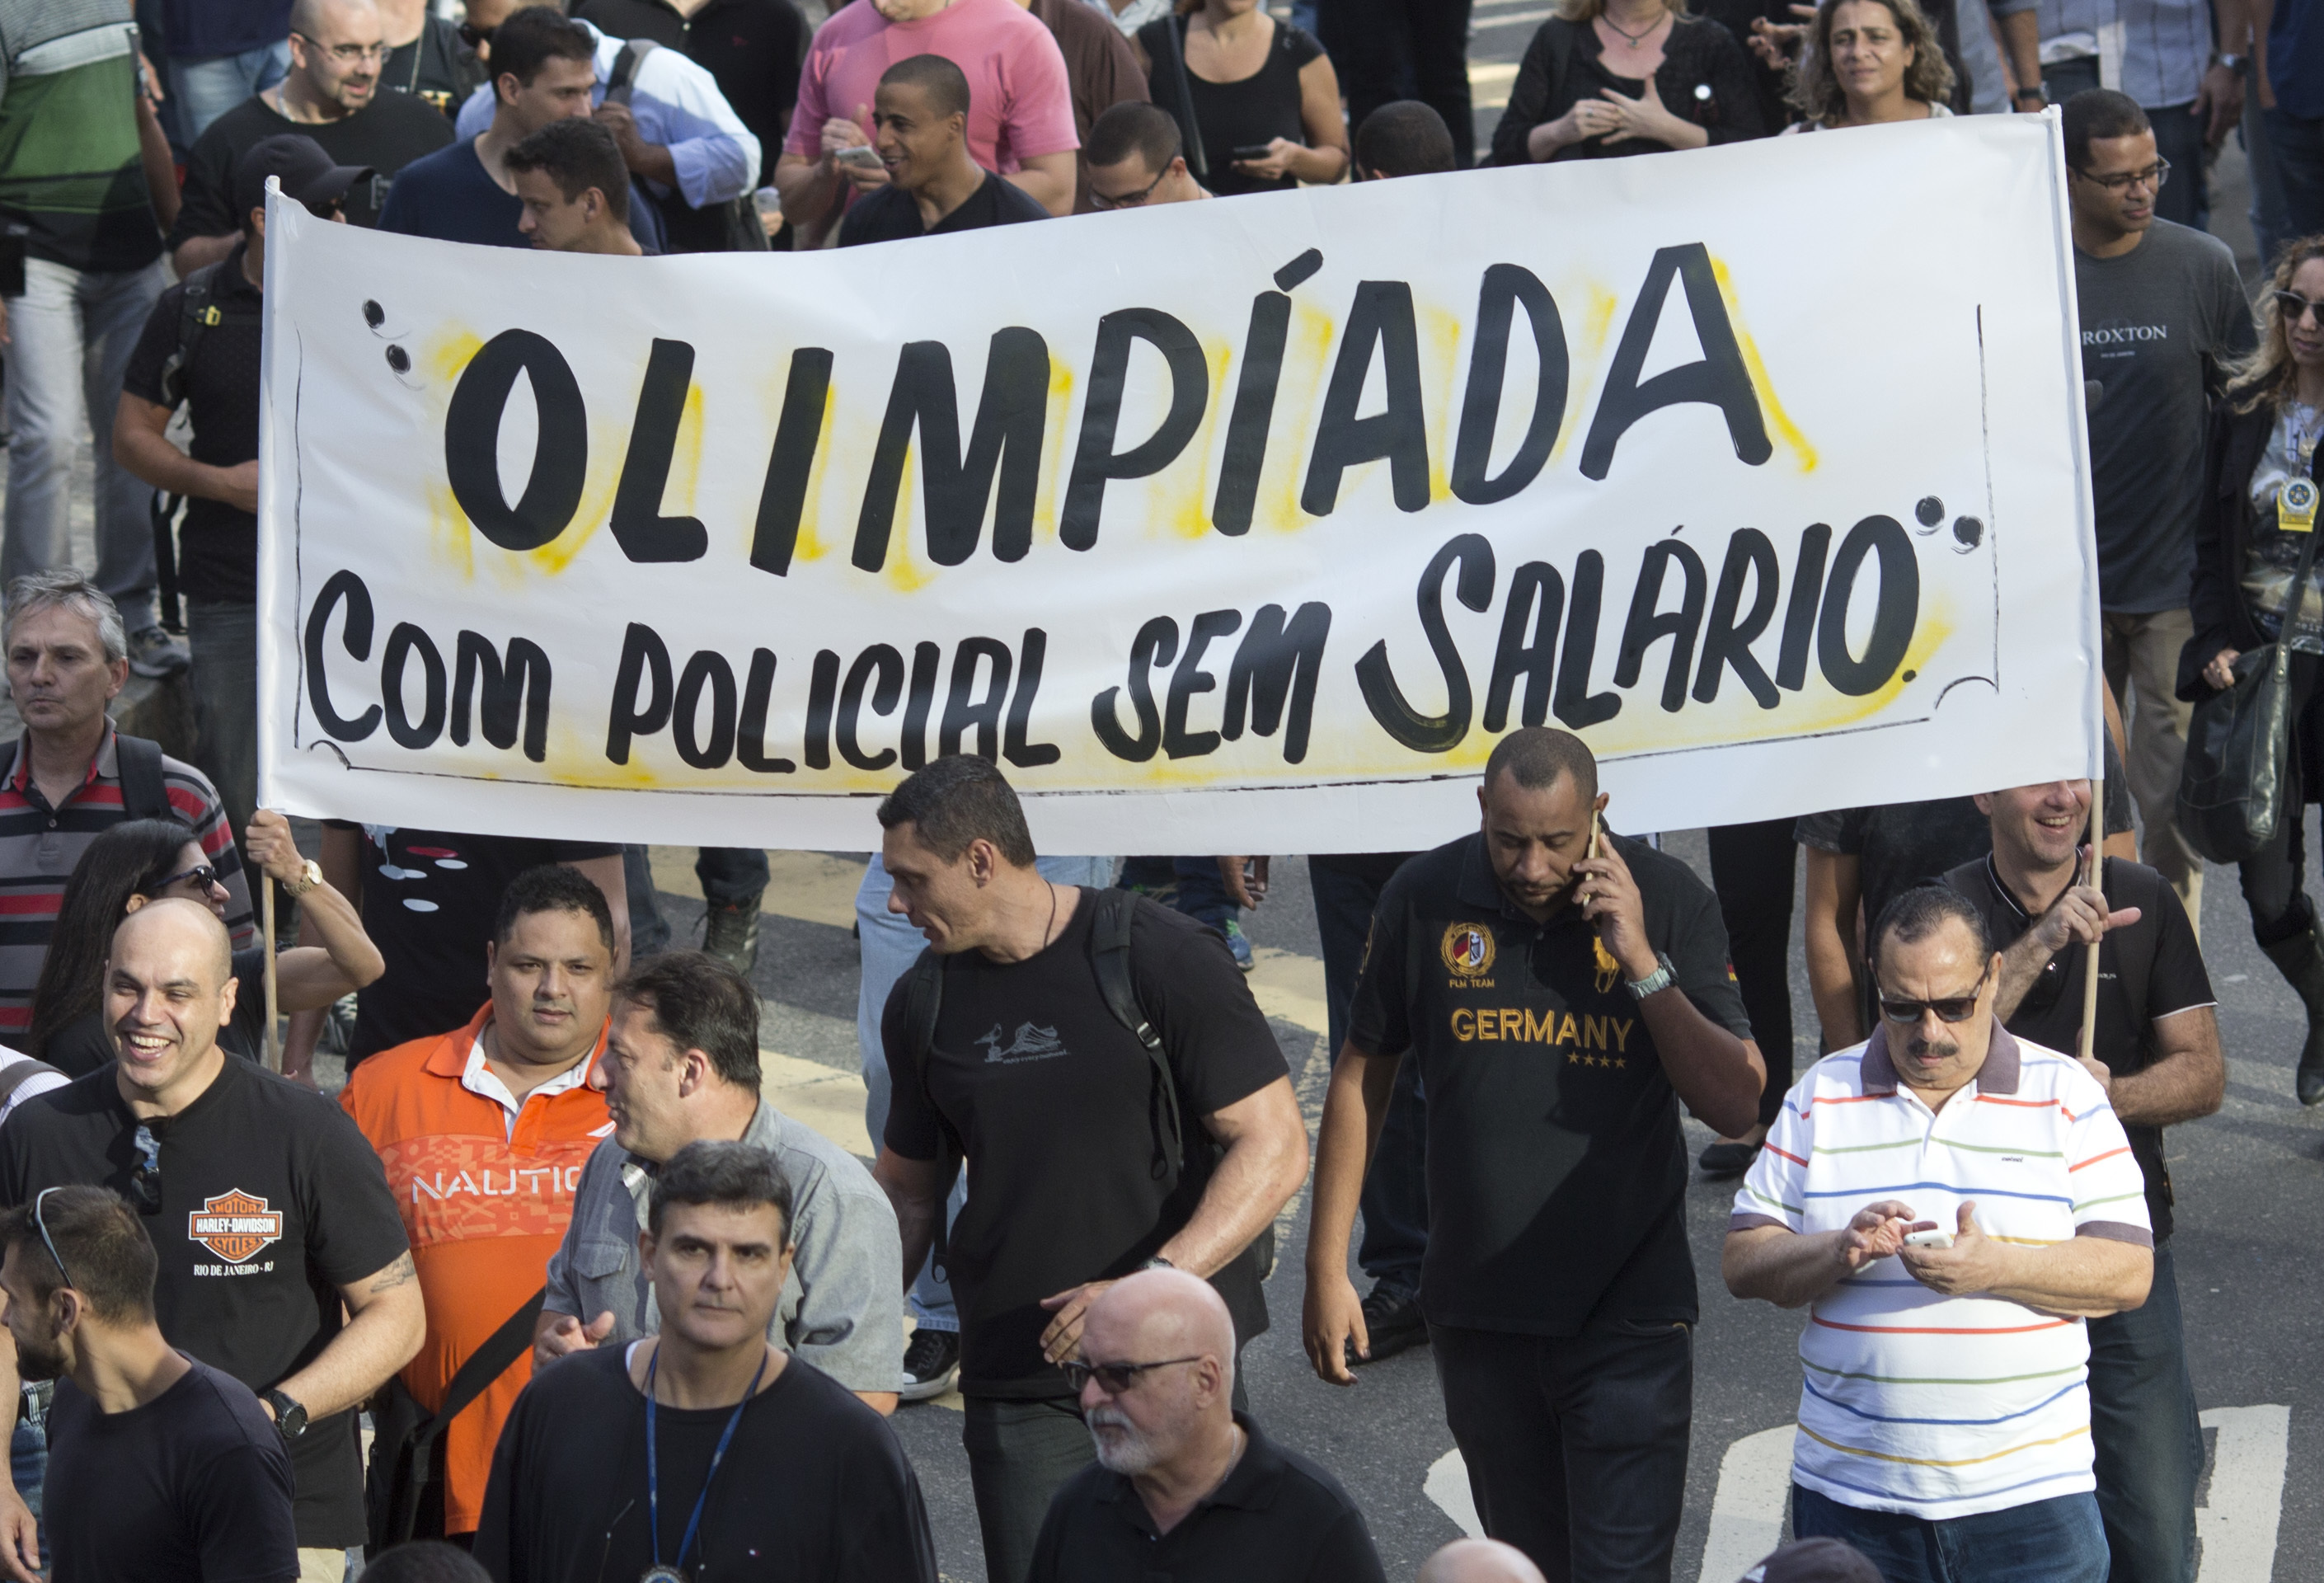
x: 2157, y: 1053
x: 2163, y: 315
x: 1185, y: 1485
x: 283, y: 1260
x: 1953, y: 1205
x: 1136, y: 157
x: 332, y: 95
x: 159, y: 1467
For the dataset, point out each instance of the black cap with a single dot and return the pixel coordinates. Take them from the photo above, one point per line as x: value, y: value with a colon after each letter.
x: 1816, y: 1560
x: 307, y: 172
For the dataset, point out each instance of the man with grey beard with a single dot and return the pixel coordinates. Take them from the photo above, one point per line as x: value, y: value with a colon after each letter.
x: 1184, y: 1485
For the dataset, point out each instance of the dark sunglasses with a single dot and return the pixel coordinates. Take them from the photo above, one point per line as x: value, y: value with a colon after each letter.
x: 2295, y: 308
x: 145, y: 1177
x: 1952, y: 1008
x: 202, y: 874
x: 476, y: 37
x: 1114, y: 1378
x: 1129, y: 200
x: 41, y: 1224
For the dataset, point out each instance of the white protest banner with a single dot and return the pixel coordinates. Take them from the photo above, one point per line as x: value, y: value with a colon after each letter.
x: 1244, y: 525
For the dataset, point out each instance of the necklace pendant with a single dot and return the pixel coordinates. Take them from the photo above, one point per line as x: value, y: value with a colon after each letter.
x: 661, y: 1574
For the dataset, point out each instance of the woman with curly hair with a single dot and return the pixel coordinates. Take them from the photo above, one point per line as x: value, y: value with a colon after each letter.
x: 1870, y: 62
x: 2263, y: 434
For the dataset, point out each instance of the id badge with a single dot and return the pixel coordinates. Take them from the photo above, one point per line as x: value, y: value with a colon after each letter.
x: 2295, y: 507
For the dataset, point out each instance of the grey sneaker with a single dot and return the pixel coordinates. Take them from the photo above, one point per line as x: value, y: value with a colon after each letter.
x: 154, y: 652
x: 732, y: 934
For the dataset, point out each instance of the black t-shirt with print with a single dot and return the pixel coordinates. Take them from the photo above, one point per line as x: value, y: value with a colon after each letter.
x: 1556, y: 1172
x: 1071, y: 1176
x: 429, y: 898
x: 2146, y: 970
x: 271, y: 1201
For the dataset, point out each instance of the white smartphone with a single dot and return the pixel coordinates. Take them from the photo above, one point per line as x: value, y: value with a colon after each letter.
x: 1932, y: 1239
x: 862, y: 155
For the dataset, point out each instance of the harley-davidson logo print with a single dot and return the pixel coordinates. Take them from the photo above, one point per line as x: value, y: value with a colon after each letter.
x: 235, y: 1225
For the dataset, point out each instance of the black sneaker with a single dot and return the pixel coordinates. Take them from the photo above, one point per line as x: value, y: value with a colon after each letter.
x: 1724, y: 1159
x: 732, y: 934
x: 1392, y: 1319
x: 931, y: 1364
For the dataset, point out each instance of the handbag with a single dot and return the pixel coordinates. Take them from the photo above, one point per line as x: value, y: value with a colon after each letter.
x: 405, y: 1435
x: 2231, y: 790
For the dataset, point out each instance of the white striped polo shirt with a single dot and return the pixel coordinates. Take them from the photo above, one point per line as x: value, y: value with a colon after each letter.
x: 1914, y: 1402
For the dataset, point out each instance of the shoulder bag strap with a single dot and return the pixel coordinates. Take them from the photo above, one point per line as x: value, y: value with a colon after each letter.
x: 623, y: 83
x: 1109, y: 929
x: 486, y: 1363
x: 143, y: 792
x: 22, y: 1072
x: 923, y: 1003
x: 1175, y: 43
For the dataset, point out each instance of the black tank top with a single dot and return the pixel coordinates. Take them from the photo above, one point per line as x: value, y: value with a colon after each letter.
x: 1261, y: 108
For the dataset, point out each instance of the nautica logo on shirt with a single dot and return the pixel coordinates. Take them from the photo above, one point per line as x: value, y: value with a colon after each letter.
x: 1031, y: 1043
x: 235, y: 1225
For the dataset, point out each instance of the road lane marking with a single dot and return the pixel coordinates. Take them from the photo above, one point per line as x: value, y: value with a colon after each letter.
x: 2238, y: 1526
x: 1747, y: 1514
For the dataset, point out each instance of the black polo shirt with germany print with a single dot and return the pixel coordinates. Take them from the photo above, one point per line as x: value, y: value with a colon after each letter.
x: 1556, y: 1172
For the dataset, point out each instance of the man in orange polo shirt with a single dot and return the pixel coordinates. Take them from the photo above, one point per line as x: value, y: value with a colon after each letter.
x: 483, y: 1133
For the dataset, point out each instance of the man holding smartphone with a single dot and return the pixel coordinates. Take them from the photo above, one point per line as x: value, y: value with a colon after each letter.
x: 1561, y: 991
x: 933, y: 184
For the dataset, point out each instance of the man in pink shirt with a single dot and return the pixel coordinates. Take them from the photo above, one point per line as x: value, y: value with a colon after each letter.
x: 1020, y: 117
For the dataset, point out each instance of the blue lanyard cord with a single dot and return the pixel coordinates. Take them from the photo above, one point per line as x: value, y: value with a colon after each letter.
x: 653, y: 1460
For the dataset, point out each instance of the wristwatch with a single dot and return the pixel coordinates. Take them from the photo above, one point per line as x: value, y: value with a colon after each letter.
x: 290, y: 1412
x: 1655, y: 983
x: 2022, y: 94
x: 1157, y: 1263
x: 2232, y: 62
x: 311, y: 875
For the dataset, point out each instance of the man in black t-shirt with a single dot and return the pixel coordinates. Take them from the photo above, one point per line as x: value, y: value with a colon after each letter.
x: 2157, y: 1052
x: 1562, y: 991
x: 160, y: 1469
x: 332, y: 95
x: 211, y: 367
x: 919, y: 120
x: 763, y: 1466
x: 426, y: 56
x: 1082, y: 1165
x: 283, y: 1262
x: 429, y: 900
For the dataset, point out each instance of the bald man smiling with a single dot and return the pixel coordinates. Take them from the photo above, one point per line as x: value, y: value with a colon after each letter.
x: 282, y: 1259
x: 1183, y: 1486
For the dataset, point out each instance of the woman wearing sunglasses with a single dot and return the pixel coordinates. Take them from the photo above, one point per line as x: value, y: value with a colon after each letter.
x: 147, y: 859
x: 2259, y: 508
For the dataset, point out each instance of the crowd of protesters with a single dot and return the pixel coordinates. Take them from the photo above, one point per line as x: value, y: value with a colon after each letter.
x: 553, y: 1245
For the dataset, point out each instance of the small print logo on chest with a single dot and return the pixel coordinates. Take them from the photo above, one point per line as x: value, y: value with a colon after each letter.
x: 235, y: 1225
x: 1031, y: 1043
x: 1468, y: 952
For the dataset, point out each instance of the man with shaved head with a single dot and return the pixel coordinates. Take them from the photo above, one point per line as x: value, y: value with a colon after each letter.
x: 282, y: 1259
x: 1564, y: 990
x: 1183, y: 1486
x: 1478, y: 1560
x: 331, y: 95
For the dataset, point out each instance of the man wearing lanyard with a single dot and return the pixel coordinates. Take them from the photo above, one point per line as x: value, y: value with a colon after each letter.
x: 1562, y: 989
x: 613, y: 1464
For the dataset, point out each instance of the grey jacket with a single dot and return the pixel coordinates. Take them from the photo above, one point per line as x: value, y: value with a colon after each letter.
x: 842, y: 1304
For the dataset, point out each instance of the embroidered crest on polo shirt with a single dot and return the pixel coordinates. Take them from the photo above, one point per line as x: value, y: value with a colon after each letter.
x: 236, y: 1227
x: 1031, y: 1043
x: 1609, y: 970
x: 1468, y: 953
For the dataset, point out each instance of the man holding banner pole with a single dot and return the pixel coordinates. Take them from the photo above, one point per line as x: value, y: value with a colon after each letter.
x: 1562, y: 989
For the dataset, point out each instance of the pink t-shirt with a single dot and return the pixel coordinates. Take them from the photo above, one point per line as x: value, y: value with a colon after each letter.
x: 1019, y: 102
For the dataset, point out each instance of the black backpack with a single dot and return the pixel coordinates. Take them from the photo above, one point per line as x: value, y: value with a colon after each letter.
x: 731, y: 227
x: 144, y: 794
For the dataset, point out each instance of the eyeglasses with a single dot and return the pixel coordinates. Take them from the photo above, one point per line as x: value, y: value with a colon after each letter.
x: 1952, y: 1008
x: 476, y: 37
x: 346, y: 54
x: 1130, y: 200
x: 2295, y: 307
x: 202, y: 874
x: 146, y: 1177
x: 1114, y: 1379
x: 40, y: 1224
x: 2155, y: 174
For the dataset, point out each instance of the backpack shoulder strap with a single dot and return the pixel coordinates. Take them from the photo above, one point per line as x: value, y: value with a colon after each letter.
x: 1110, y: 930
x: 923, y: 1003
x: 622, y: 82
x: 143, y: 792
x: 198, y: 312
x: 22, y: 1072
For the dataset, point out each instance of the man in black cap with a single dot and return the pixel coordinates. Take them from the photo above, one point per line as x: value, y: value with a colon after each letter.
x: 200, y: 349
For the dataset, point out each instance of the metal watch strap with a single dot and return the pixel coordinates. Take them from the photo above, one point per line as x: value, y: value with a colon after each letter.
x: 1655, y: 983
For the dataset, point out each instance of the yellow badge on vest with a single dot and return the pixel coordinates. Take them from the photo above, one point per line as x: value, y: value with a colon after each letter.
x: 2295, y: 507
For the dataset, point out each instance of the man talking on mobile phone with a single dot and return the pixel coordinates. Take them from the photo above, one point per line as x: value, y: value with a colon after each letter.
x: 1561, y: 990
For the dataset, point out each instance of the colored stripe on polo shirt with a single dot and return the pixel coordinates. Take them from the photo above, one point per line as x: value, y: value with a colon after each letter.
x: 485, y: 1194
x: 1912, y: 1401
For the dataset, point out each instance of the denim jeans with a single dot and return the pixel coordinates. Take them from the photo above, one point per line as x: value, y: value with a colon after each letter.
x: 2056, y: 1541
x: 889, y: 945
x: 2298, y: 145
x: 2269, y: 226
x: 1395, y: 1200
x: 204, y: 88
x: 1192, y: 885
x: 2148, y: 1438
x: 730, y: 876
x: 1576, y: 1446
x: 28, y: 1464
x: 70, y: 334
x: 225, y: 641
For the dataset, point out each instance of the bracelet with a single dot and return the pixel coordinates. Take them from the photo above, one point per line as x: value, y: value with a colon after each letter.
x: 2028, y: 93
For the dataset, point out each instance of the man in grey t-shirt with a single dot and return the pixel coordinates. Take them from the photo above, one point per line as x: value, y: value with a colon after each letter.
x: 2163, y: 314
x: 682, y: 1065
